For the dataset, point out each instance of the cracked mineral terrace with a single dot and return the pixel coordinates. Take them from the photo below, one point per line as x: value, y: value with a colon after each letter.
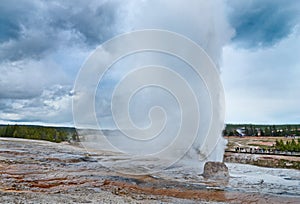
x: 44, y: 172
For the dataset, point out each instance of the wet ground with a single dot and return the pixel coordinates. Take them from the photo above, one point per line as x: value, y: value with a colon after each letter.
x: 44, y: 172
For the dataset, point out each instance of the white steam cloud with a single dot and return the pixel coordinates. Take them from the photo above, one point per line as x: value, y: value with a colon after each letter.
x: 204, y: 22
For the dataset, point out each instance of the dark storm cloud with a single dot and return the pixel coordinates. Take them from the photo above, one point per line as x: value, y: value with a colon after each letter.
x: 21, y: 30
x: 40, y: 41
x: 31, y: 44
x: 94, y: 21
x: 263, y: 23
x: 32, y: 29
x: 11, y: 13
x: 96, y: 26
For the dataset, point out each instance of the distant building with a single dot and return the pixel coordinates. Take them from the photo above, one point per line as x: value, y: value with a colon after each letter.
x: 241, y: 131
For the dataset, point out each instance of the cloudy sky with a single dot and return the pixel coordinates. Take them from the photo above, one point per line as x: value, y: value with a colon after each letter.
x: 255, y: 44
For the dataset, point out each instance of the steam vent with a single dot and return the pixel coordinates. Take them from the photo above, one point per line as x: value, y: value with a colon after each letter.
x: 216, y: 171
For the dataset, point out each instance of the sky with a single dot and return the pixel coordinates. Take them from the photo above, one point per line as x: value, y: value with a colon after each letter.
x: 255, y: 44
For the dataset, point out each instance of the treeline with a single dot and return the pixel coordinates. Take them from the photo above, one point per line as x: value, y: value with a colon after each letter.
x: 261, y: 130
x: 290, y: 146
x: 52, y: 134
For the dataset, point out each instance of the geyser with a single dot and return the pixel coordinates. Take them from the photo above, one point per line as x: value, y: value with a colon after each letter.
x: 159, y: 90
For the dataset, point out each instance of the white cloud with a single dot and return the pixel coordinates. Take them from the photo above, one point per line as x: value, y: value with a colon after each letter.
x: 205, y: 22
x: 52, y: 106
x: 263, y: 85
x: 28, y: 78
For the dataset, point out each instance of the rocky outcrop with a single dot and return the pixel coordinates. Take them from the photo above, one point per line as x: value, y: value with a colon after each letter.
x: 216, y: 171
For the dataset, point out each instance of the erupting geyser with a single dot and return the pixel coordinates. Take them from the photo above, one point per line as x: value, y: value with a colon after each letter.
x: 184, y: 123
x: 157, y: 89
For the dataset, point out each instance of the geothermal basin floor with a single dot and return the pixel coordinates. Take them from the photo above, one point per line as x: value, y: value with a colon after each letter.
x: 44, y: 172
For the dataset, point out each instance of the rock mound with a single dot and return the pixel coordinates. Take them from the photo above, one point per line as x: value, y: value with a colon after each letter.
x: 216, y: 171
